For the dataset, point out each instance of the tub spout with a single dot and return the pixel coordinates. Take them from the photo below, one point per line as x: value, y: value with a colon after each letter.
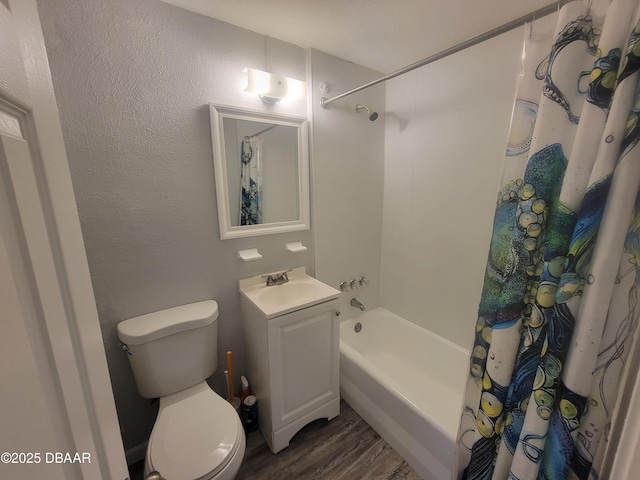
x: 355, y: 303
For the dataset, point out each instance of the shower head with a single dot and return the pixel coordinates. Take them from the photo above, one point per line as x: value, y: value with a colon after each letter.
x: 372, y: 115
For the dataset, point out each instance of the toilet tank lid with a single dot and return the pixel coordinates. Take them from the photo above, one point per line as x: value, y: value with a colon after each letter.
x: 149, y: 327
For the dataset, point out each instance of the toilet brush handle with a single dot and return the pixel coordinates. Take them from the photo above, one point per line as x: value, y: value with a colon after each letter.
x: 230, y: 368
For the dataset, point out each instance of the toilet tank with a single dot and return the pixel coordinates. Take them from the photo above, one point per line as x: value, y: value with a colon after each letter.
x: 172, y: 349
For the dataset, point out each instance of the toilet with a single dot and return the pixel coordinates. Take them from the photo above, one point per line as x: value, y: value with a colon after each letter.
x: 198, y: 434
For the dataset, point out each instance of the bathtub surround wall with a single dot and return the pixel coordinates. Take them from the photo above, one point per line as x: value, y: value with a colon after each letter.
x: 445, y: 139
x: 133, y: 81
x: 348, y: 166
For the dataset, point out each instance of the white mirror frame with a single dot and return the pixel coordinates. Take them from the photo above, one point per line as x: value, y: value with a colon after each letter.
x: 218, y: 114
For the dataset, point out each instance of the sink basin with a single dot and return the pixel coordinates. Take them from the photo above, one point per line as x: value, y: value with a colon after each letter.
x: 287, y: 293
x: 300, y: 292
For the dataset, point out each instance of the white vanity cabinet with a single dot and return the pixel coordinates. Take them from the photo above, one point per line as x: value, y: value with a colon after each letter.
x: 292, y: 365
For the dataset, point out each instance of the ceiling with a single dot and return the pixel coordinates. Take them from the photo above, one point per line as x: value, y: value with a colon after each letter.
x: 384, y: 35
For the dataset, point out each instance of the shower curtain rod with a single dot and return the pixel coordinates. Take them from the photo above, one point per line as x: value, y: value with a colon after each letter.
x: 261, y: 131
x: 518, y: 22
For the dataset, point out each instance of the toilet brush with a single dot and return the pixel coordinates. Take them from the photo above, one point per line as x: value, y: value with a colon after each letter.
x: 230, y: 368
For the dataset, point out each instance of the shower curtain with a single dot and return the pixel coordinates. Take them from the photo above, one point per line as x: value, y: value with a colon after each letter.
x: 559, y: 302
x: 251, y: 181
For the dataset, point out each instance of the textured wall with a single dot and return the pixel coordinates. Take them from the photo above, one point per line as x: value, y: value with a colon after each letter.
x: 133, y: 82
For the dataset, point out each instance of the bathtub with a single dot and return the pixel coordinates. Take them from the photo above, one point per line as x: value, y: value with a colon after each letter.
x: 407, y: 383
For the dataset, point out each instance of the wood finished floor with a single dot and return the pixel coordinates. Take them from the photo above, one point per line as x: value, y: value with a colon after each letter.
x: 344, y: 448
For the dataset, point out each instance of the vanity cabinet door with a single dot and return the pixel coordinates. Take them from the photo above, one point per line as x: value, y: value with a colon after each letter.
x: 303, y: 359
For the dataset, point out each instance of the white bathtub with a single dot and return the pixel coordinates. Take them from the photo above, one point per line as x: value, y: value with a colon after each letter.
x: 407, y: 383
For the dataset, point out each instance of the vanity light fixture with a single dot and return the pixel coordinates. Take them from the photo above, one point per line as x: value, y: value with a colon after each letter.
x: 271, y: 87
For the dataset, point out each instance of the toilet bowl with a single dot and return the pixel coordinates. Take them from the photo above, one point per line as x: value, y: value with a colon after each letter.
x: 197, y: 435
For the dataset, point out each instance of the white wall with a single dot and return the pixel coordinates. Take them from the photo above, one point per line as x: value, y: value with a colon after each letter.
x: 445, y: 138
x: 348, y: 166
x: 133, y: 82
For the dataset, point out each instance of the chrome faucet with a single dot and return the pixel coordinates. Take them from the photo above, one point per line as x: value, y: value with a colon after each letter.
x: 277, y: 278
x: 355, y: 303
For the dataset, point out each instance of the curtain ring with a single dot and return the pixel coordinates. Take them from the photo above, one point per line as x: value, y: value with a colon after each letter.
x: 533, y: 19
x: 560, y: 5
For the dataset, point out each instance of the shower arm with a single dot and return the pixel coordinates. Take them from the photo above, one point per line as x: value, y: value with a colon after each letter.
x: 518, y: 22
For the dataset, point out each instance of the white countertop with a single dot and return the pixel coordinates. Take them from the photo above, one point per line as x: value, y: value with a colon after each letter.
x: 300, y: 292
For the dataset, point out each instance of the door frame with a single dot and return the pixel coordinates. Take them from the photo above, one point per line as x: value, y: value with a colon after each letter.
x: 53, y: 239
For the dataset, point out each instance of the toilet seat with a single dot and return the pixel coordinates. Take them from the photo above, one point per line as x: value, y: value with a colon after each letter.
x: 196, y: 435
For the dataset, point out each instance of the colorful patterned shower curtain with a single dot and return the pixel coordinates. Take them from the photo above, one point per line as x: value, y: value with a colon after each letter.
x: 559, y: 302
x: 251, y: 181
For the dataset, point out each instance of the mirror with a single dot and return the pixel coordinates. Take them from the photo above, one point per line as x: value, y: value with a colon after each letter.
x: 261, y: 166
